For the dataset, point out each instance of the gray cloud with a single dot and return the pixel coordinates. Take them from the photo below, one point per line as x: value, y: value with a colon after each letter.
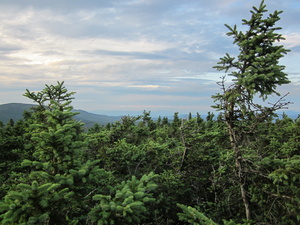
x: 153, y: 53
x: 60, y: 5
x: 137, y: 55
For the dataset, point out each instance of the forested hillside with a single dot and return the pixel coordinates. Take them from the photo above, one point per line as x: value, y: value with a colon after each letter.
x: 241, y: 167
x: 15, y: 112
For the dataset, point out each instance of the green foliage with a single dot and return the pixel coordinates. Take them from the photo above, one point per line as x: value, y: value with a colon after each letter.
x: 193, y: 216
x: 35, y: 204
x: 12, y: 152
x: 231, y: 222
x: 256, y: 69
x: 67, y: 176
x: 127, y: 204
x: 59, y: 149
x: 280, y: 192
x: 51, y: 93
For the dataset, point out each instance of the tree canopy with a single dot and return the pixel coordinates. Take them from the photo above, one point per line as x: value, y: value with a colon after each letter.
x: 239, y: 167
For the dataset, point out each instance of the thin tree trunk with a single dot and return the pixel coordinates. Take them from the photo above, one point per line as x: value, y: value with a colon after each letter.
x: 243, y: 187
x: 239, y: 170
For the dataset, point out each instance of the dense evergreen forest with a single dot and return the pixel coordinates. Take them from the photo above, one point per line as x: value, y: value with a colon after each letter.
x: 240, y: 167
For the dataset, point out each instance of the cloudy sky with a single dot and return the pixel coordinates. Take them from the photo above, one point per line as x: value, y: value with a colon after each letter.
x: 126, y: 56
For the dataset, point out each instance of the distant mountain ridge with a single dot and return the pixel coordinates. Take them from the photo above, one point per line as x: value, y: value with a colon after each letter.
x: 15, y: 111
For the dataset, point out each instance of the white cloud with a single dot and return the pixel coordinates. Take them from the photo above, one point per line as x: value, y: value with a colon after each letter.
x: 160, y: 50
x: 291, y: 40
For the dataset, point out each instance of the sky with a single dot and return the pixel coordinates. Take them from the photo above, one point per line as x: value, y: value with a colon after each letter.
x: 122, y: 57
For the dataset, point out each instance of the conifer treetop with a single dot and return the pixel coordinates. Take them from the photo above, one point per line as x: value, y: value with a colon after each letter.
x: 50, y: 93
x: 255, y: 69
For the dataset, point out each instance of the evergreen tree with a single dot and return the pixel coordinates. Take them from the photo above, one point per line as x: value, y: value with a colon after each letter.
x: 12, y: 152
x: 165, y: 121
x: 129, y: 202
x: 255, y: 71
x: 193, y: 216
x: 190, y: 116
x: 55, y: 190
x: 280, y: 192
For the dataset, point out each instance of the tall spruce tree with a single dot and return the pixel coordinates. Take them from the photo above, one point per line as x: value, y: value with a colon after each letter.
x: 256, y: 73
x: 58, y: 188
